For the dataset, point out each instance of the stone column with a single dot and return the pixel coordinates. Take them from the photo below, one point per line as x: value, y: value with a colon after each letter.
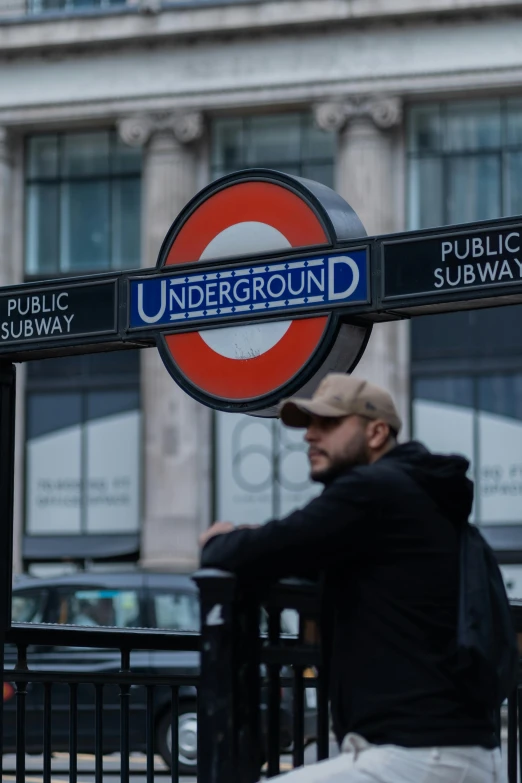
x: 6, y: 275
x: 368, y: 175
x: 176, y: 429
x: 9, y: 274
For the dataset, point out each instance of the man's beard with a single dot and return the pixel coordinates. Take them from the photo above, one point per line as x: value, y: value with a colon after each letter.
x: 354, y: 455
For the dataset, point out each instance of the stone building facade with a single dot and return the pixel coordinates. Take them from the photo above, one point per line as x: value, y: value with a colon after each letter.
x: 113, y: 114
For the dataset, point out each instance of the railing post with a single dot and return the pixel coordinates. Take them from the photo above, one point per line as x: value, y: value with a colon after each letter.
x: 7, y: 447
x: 216, y: 729
x: 248, y: 685
x: 512, y: 727
x: 514, y: 741
x: 229, y: 691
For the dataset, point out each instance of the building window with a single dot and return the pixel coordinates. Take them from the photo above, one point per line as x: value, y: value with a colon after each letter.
x: 261, y: 468
x: 50, y: 6
x: 479, y: 416
x: 285, y: 142
x: 465, y: 164
x: 83, y: 194
x: 465, y: 161
x: 83, y: 445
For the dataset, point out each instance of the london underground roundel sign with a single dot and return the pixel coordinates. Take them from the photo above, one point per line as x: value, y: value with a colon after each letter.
x: 253, y: 293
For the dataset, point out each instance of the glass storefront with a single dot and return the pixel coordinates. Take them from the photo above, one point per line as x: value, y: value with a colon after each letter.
x: 464, y: 165
x: 261, y: 468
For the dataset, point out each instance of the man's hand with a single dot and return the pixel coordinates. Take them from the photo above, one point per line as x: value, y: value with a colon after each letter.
x: 217, y: 529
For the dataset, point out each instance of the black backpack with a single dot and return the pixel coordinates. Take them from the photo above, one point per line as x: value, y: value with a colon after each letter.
x: 486, y: 660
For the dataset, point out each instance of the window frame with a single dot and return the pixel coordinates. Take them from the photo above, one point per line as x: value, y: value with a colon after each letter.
x: 83, y: 383
x: 447, y: 156
x: 37, y: 7
x: 59, y: 180
x: 505, y: 537
x: 445, y: 360
x: 278, y: 449
x: 301, y: 160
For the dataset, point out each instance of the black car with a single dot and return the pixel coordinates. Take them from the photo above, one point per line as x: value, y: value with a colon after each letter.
x: 134, y: 599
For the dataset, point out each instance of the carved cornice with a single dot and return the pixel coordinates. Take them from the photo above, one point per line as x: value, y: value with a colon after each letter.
x: 384, y: 111
x: 186, y: 127
x: 184, y: 21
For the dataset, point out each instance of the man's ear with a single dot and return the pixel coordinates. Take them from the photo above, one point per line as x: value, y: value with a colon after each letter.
x: 378, y: 433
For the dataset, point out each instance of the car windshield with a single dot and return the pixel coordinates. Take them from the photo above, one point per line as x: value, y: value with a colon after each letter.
x: 99, y: 607
x: 177, y: 611
x: 28, y: 607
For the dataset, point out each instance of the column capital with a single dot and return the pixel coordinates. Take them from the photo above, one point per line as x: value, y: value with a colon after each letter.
x: 186, y: 127
x: 384, y: 111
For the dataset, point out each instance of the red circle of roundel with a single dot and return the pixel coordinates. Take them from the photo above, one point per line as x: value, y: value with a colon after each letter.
x: 240, y: 379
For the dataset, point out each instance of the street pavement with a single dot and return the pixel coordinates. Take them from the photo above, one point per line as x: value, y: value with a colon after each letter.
x: 111, y: 767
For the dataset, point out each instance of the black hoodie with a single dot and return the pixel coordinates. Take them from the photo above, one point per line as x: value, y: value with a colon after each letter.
x: 383, y: 537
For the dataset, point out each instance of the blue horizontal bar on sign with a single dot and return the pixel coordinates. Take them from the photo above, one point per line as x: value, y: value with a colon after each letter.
x: 250, y: 291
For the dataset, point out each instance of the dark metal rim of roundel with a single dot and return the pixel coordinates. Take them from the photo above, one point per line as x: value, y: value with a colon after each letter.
x: 285, y: 212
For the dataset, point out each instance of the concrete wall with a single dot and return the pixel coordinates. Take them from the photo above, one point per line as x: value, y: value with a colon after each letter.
x: 272, y: 70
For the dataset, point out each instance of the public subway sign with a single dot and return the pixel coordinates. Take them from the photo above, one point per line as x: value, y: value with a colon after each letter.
x: 50, y: 312
x: 253, y: 293
x: 486, y: 259
x: 244, y: 291
x: 264, y: 283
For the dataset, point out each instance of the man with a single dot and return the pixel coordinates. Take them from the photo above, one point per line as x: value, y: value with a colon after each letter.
x: 384, y: 536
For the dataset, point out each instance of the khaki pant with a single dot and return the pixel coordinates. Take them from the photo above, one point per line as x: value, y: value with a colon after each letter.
x: 361, y: 762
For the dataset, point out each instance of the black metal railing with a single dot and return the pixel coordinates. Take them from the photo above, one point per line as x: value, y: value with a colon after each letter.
x: 103, y: 705
x: 260, y: 693
x: 253, y: 686
x: 514, y: 708
x: 265, y: 692
x: 231, y: 645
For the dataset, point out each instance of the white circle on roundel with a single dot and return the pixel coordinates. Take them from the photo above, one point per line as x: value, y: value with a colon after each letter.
x: 245, y: 342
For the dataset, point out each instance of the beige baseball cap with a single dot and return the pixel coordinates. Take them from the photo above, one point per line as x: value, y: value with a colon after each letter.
x: 341, y: 395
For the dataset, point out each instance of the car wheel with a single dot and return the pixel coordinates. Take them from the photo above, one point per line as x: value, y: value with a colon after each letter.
x: 187, y: 735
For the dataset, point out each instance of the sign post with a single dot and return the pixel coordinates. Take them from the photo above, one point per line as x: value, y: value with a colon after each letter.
x: 261, y: 313
x: 58, y: 317
x: 264, y: 283
x: 457, y: 268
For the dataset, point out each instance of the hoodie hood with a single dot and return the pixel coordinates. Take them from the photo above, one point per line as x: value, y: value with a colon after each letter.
x: 442, y: 476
